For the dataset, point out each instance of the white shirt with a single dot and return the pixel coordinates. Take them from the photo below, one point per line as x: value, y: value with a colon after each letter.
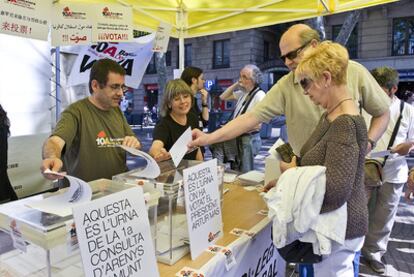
x: 396, y: 169
x: 241, y: 97
x: 294, y: 205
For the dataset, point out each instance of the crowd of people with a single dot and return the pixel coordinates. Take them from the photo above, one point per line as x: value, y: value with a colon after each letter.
x: 336, y: 111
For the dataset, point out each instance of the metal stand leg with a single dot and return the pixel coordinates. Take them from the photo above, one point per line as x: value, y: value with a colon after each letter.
x: 170, y: 214
x: 155, y: 229
x: 49, y: 264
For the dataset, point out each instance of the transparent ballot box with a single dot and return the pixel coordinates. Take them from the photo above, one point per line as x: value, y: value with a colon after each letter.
x: 171, y: 241
x: 48, y: 233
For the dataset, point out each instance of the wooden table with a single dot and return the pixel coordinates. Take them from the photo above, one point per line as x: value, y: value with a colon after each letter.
x: 239, y: 211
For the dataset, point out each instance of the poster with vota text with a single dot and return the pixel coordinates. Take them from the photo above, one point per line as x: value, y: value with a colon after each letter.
x: 114, y: 236
x: 29, y: 19
x: 134, y: 57
x: 71, y: 24
x: 112, y: 23
x: 202, y: 202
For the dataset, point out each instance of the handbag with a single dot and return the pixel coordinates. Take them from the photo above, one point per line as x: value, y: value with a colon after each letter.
x: 373, y: 173
x: 299, y: 252
x: 372, y: 167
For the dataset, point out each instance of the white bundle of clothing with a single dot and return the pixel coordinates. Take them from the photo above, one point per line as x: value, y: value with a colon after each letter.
x: 294, y: 205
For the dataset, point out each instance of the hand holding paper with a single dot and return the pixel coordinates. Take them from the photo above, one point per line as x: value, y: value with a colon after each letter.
x: 272, y: 165
x: 179, y: 149
x: 78, y: 192
x: 131, y: 141
x: 50, y: 167
x: 162, y: 155
x: 54, y: 173
x: 273, y: 151
x: 152, y: 170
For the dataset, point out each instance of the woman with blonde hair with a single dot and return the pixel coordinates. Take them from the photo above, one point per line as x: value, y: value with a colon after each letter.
x: 339, y: 143
x: 176, y: 118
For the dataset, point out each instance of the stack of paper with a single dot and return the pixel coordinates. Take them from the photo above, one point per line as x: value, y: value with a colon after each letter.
x: 252, y: 178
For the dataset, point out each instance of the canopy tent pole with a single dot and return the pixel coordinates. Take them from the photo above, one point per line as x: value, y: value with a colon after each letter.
x: 181, y: 53
x: 57, y: 82
x: 182, y: 24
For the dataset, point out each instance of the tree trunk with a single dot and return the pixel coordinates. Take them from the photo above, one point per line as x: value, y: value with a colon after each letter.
x: 161, y: 67
x: 349, y: 25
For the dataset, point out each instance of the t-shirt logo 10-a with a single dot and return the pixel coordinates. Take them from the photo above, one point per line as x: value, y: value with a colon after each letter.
x: 102, y: 140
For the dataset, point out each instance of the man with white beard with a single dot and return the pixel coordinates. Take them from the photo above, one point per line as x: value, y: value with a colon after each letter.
x: 248, y: 93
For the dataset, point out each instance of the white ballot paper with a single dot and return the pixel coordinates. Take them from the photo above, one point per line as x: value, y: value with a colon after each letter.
x: 380, y: 154
x: 151, y: 171
x: 272, y: 162
x: 179, y: 149
x: 78, y: 192
x: 273, y: 151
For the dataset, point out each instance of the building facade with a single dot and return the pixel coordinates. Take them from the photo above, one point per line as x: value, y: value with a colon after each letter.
x: 384, y: 35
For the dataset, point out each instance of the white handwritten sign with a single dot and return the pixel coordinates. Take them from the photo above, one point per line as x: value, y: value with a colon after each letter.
x: 112, y: 23
x: 71, y: 24
x: 202, y: 201
x: 29, y: 19
x: 114, y: 236
x: 162, y: 38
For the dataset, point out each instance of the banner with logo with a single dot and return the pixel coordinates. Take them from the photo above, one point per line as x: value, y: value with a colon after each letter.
x: 134, y: 57
x: 23, y: 18
x: 202, y: 202
x: 112, y: 23
x: 71, y: 24
x: 255, y: 256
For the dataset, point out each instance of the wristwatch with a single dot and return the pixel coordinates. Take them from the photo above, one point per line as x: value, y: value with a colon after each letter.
x: 204, y: 105
x: 372, y: 142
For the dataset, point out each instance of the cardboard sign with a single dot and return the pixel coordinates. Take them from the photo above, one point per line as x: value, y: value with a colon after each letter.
x: 114, y: 236
x: 162, y: 38
x: 71, y: 24
x: 27, y: 19
x: 202, y: 201
x: 112, y: 23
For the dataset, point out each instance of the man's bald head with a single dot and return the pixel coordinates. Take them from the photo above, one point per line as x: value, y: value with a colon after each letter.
x: 302, y: 33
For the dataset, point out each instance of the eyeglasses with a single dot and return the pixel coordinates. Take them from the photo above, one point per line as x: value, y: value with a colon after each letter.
x: 305, y: 83
x: 117, y: 87
x: 293, y: 54
x: 244, y: 77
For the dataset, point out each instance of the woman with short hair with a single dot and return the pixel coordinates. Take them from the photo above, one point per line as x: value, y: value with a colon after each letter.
x: 339, y: 143
x: 176, y: 118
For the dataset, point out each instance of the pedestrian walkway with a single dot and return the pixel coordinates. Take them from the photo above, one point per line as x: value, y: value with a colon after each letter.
x: 399, y: 258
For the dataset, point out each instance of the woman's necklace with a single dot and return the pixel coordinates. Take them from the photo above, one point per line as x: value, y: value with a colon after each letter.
x: 181, y: 120
x: 337, y: 105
